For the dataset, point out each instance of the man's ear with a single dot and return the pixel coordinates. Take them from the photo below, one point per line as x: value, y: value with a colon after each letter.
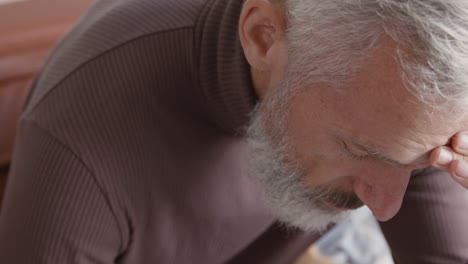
x: 260, y: 28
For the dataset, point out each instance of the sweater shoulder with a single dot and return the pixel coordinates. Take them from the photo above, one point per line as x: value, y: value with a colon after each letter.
x: 108, y: 25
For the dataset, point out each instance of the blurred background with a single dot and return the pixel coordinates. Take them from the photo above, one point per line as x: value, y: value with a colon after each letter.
x: 28, y: 31
x: 358, y: 240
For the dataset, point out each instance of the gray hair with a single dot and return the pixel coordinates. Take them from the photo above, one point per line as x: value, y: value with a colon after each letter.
x: 339, y: 34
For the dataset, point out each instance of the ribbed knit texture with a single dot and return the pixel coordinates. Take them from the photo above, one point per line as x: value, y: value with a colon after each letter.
x: 431, y: 225
x: 130, y: 150
x: 53, y: 218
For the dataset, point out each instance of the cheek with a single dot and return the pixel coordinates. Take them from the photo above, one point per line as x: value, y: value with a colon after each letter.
x: 342, y: 173
x: 320, y: 157
x: 306, y: 135
x: 337, y: 173
x: 310, y: 145
x: 316, y: 157
x: 324, y: 174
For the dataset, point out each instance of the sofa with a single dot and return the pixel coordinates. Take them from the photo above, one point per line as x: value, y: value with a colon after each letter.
x: 28, y: 31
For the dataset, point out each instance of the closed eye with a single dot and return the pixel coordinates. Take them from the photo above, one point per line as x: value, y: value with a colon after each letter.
x: 351, y: 154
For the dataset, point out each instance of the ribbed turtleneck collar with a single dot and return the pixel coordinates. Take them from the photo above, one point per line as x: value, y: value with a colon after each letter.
x: 224, y: 72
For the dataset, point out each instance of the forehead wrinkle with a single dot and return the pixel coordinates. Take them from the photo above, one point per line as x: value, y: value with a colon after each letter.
x: 431, y: 140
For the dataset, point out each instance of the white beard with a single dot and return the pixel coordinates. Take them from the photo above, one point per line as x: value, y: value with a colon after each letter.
x: 291, y: 202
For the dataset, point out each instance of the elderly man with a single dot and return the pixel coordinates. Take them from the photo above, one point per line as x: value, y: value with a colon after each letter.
x: 224, y: 131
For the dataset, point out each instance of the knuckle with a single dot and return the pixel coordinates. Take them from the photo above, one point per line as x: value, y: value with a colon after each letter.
x: 464, y: 158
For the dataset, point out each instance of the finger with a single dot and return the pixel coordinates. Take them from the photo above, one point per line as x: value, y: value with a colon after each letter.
x: 447, y: 159
x: 460, y: 142
x: 442, y: 157
x: 459, y: 172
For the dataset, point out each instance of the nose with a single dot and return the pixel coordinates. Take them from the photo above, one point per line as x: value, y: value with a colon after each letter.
x: 383, y: 191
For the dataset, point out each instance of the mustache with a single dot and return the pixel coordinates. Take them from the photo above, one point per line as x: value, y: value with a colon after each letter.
x: 342, y: 199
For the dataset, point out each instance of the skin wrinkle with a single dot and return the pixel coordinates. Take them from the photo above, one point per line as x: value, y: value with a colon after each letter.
x: 301, y: 112
x: 295, y: 156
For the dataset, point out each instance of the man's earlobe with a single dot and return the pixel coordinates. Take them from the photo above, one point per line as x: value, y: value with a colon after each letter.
x: 260, y: 27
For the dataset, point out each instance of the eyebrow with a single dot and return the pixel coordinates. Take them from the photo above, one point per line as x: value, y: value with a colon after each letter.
x: 379, y: 155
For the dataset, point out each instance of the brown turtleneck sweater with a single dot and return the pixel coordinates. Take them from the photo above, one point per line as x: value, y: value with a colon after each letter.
x: 130, y: 149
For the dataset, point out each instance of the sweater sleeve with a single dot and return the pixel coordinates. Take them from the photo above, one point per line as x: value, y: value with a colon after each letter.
x: 432, y: 225
x: 54, y: 212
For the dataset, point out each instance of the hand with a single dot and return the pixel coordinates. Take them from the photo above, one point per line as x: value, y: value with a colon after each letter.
x: 453, y: 158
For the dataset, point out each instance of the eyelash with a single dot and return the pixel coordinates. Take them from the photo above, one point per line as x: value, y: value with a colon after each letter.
x: 351, y: 154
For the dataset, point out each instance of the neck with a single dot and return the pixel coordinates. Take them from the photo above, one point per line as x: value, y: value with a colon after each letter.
x: 260, y: 81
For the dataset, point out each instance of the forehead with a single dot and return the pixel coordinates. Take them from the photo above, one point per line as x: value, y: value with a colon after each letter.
x: 377, y: 107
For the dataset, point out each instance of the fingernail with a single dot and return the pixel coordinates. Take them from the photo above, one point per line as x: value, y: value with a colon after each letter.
x: 463, y: 142
x: 462, y: 169
x: 445, y: 157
